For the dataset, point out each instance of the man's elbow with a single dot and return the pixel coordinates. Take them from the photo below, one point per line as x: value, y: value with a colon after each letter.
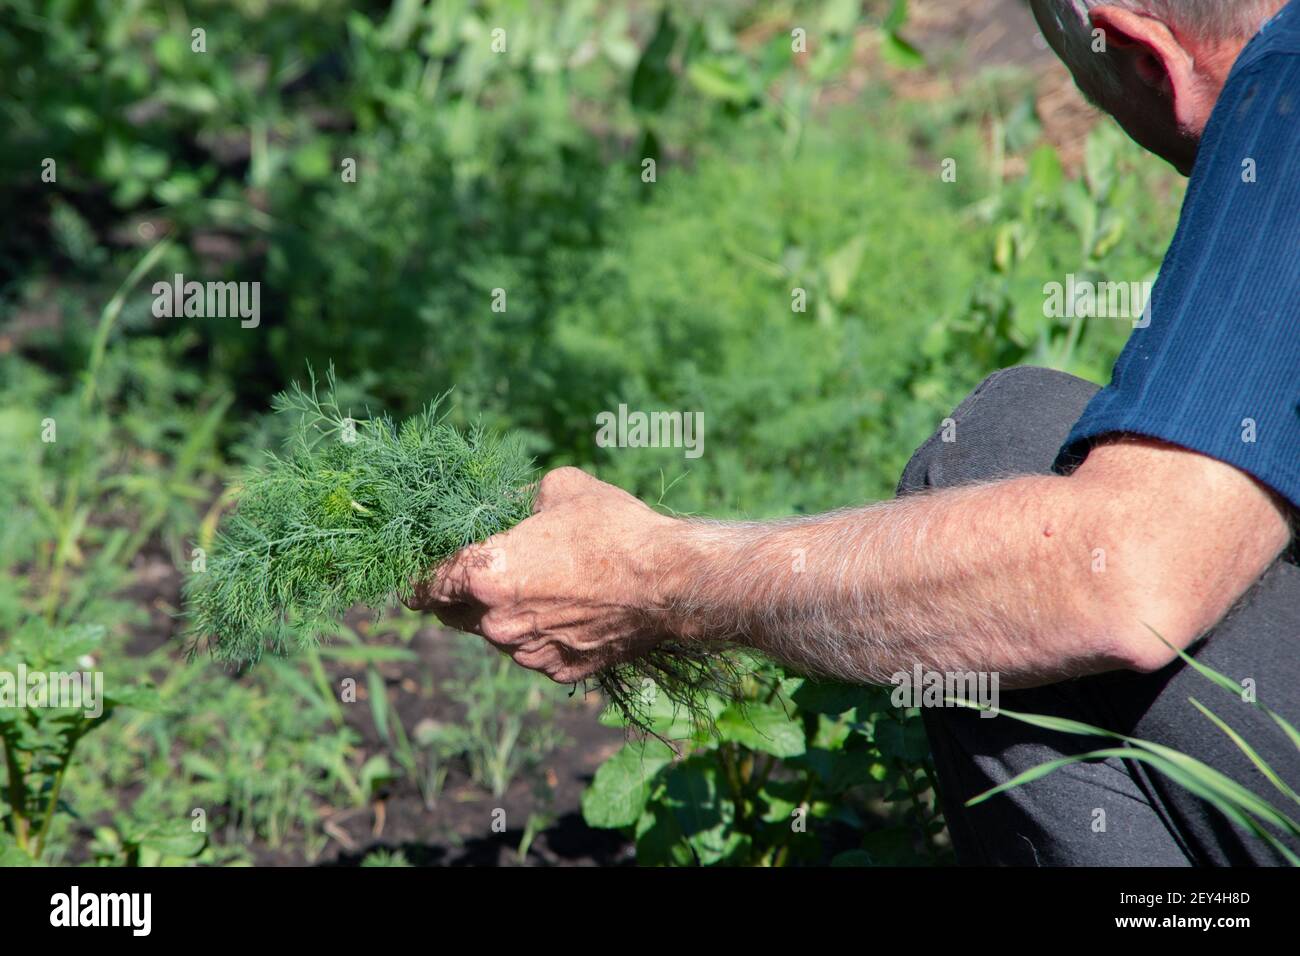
x: 1146, y: 629
x: 1185, y: 537
x: 1151, y: 640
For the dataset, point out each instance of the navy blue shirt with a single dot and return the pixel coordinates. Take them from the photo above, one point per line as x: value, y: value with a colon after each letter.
x: 1217, y: 369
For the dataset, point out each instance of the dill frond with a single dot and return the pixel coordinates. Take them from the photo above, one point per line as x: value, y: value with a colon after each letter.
x: 352, y: 511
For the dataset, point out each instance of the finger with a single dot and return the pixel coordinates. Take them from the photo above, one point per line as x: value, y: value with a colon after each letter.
x: 573, y: 667
x: 430, y: 593
x: 419, y: 598
x: 455, y: 581
x: 540, y: 658
x: 462, y: 617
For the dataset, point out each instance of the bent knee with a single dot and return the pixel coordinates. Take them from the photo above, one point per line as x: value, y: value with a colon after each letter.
x: 1013, y: 423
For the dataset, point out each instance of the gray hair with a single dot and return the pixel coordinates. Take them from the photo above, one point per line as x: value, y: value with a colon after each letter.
x: 1235, y: 19
x: 1205, y: 19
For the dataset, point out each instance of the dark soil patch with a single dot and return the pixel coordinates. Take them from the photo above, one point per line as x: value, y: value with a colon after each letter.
x: 466, y: 825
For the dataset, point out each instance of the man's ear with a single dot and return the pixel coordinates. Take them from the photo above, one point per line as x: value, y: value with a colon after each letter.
x: 1150, y: 48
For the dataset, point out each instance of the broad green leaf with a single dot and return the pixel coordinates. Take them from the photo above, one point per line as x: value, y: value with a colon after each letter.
x: 665, y: 717
x: 175, y: 839
x: 830, y: 732
x: 902, y: 740
x: 720, y: 79
x: 618, y: 793
x: 703, y: 814
x: 660, y: 841
x: 779, y: 802
x: 763, y: 727
x: 11, y: 856
x: 832, y: 697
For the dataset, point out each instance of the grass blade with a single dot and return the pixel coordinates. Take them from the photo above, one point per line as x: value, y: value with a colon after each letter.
x: 1248, y: 750
x: 1232, y: 687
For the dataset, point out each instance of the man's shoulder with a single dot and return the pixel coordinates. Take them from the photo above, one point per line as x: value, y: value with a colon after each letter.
x: 1280, y: 36
x: 1262, y: 93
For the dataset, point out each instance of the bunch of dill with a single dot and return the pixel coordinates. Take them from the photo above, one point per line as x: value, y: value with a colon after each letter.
x: 350, y: 513
x: 355, y: 510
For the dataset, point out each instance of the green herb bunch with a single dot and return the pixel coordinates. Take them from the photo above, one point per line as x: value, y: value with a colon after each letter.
x: 352, y: 512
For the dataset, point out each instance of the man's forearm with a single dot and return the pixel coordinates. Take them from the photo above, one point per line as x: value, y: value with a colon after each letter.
x: 1037, y: 578
x: 1003, y: 577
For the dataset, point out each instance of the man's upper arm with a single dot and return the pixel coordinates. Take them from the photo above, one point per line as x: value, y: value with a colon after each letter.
x: 1186, y: 534
x: 1198, y: 434
x: 1217, y: 369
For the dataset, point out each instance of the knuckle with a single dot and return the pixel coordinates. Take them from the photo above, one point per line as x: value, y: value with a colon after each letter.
x: 494, y: 632
x: 513, y: 632
x: 564, y: 473
x: 533, y: 660
x: 567, y: 674
x: 561, y: 480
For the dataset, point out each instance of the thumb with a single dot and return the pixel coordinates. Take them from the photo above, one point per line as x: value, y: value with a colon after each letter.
x: 560, y: 485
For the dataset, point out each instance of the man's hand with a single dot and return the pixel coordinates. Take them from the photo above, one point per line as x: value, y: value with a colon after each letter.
x: 568, y: 591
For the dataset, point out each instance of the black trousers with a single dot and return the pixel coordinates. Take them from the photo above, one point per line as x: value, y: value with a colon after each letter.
x: 1112, y: 812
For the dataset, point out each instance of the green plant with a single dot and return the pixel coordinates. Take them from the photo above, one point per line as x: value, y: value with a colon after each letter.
x: 56, y: 618
x: 478, y: 171
x: 435, y: 746
x: 39, y: 737
x: 385, y: 858
x: 259, y: 756
x: 1239, y: 804
x: 354, y: 513
x: 160, y: 844
x: 784, y: 768
x: 509, y: 717
x: 106, y: 499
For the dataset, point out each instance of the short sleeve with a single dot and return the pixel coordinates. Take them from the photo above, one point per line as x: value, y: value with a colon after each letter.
x: 1215, y: 364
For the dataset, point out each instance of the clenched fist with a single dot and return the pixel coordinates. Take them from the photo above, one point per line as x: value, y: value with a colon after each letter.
x: 574, y: 588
